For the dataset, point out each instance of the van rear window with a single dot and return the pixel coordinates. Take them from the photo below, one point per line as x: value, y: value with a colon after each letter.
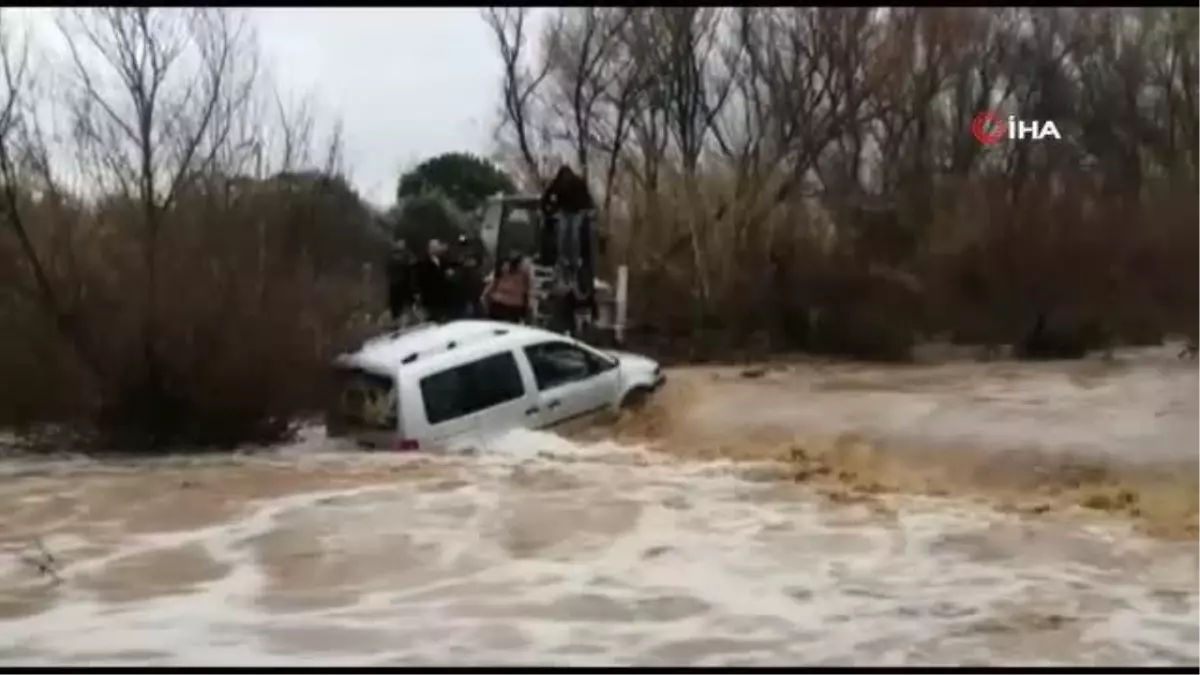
x: 471, y: 387
x: 365, y: 400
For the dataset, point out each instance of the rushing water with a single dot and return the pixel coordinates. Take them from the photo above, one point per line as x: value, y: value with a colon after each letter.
x: 705, y: 551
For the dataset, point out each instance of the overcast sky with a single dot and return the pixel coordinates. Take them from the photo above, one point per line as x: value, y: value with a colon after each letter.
x: 407, y: 83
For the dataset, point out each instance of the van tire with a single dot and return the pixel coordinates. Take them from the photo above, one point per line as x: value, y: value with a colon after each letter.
x: 636, y: 398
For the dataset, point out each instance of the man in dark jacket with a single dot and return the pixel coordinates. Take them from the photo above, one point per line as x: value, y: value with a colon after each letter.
x: 467, y: 280
x: 567, y: 203
x: 469, y: 286
x: 567, y: 192
x: 566, y: 195
x: 400, y: 281
x: 435, y: 280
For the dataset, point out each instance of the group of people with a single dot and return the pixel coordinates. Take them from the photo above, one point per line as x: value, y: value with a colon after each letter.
x: 445, y: 285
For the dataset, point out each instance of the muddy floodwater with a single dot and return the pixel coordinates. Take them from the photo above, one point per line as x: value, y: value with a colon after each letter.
x: 779, y: 515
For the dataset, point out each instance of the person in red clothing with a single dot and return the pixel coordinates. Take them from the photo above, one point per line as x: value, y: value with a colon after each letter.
x: 507, y: 296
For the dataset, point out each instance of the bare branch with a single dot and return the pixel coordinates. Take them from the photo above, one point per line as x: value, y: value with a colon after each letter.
x: 519, y: 84
x: 12, y: 126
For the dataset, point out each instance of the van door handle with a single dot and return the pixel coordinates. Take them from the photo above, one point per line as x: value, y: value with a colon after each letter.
x: 532, y: 410
x: 553, y: 404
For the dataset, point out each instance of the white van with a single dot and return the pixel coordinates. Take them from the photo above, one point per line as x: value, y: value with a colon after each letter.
x: 446, y: 384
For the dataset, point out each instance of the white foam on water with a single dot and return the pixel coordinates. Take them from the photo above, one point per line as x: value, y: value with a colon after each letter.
x: 526, y: 444
x: 533, y: 559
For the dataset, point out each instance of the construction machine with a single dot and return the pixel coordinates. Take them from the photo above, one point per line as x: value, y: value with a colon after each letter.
x: 567, y: 294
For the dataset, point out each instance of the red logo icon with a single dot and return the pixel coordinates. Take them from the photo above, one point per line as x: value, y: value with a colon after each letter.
x: 989, y: 128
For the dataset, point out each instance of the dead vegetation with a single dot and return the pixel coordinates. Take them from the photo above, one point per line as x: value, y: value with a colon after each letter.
x: 805, y: 178
x: 176, y: 263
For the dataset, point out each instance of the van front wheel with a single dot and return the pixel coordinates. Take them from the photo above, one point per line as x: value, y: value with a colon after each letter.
x: 636, y: 399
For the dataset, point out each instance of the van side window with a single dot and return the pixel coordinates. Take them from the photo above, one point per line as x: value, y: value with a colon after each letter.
x: 558, y: 363
x: 471, y: 387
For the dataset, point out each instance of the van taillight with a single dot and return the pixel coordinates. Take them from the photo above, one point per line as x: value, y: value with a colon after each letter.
x: 405, y: 444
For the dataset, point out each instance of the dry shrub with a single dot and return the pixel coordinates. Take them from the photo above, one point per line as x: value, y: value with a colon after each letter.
x: 1064, y: 268
x: 242, y: 327
x: 763, y: 277
x: 188, y: 286
x: 800, y: 177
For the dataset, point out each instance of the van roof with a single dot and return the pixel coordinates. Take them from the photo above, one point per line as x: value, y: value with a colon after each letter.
x: 389, y: 352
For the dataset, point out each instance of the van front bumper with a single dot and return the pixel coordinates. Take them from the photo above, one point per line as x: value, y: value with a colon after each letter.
x: 659, y: 381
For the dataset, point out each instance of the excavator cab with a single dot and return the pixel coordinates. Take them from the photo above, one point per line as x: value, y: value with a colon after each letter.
x: 510, y: 224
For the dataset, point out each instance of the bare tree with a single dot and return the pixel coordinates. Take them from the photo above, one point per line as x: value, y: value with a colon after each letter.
x: 18, y: 148
x: 597, y: 89
x: 580, y: 50
x: 803, y: 98
x: 520, y: 83
x: 622, y: 98
x: 157, y: 94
